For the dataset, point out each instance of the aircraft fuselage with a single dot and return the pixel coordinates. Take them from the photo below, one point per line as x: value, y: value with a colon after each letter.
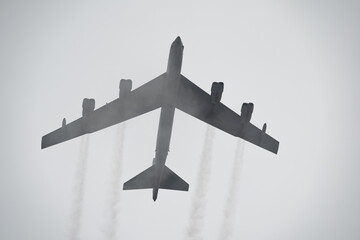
x: 167, y: 91
x: 167, y: 111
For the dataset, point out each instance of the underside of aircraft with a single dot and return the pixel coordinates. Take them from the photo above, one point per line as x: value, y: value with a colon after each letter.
x: 169, y: 91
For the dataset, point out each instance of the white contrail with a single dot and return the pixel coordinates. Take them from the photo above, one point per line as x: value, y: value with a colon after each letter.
x: 114, y: 200
x: 230, y: 204
x: 198, y: 208
x: 79, y: 188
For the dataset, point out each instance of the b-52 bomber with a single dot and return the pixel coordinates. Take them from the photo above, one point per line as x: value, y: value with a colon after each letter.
x: 168, y: 91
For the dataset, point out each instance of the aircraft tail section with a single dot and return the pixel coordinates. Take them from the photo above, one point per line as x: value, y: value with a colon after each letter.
x: 143, y: 180
x: 146, y: 179
x: 170, y: 180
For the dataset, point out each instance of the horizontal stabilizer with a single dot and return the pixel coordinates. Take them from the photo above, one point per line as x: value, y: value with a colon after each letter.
x: 146, y: 179
x: 169, y: 180
x: 143, y: 180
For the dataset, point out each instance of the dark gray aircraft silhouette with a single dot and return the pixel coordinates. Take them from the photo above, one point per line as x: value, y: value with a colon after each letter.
x: 168, y: 91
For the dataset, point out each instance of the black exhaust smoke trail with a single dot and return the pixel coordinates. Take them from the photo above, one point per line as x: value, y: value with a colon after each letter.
x: 114, y: 200
x: 198, y: 208
x: 79, y: 188
x: 230, y: 204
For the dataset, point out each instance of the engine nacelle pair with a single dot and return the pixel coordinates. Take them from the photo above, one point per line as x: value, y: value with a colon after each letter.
x: 124, y: 87
x: 246, y: 111
x: 88, y: 106
x: 217, y: 89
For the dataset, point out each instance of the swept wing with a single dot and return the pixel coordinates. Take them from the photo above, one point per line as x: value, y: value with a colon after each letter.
x: 197, y: 103
x: 146, y: 98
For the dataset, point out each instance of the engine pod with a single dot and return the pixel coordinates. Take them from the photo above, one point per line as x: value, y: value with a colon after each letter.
x: 88, y: 106
x: 124, y: 87
x: 217, y: 89
x: 246, y: 111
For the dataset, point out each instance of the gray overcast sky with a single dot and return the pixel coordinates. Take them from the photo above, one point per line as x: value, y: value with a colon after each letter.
x: 297, y: 61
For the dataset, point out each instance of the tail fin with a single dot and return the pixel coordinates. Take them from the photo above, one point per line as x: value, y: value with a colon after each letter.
x: 146, y: 179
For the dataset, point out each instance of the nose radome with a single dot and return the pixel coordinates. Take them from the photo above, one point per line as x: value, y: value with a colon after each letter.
x: 178, y: 41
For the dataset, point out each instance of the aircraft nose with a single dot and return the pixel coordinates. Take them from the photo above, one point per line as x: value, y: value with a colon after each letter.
x: 178, y: 41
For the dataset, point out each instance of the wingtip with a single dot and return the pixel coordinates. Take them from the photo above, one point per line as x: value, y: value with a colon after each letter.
x: 42, y: 143
x: 277, y: 148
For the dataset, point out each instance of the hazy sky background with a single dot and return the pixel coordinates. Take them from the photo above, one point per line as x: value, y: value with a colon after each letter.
x: 297, y: 61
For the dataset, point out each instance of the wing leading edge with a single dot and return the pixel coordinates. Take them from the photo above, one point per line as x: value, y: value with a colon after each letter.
x: 196, y: 102
x: 144, y: 99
